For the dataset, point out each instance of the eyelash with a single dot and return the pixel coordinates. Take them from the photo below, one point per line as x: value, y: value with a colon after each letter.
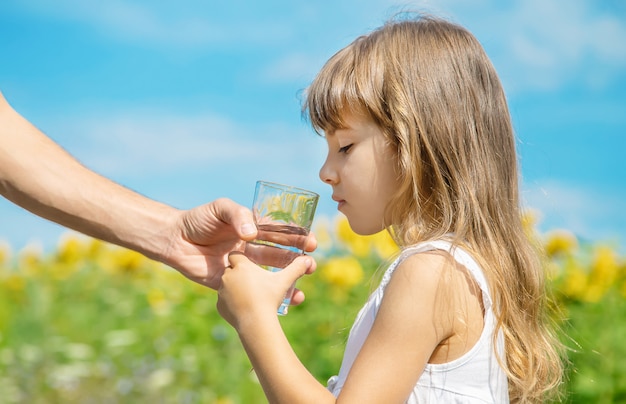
x: 345, y: 148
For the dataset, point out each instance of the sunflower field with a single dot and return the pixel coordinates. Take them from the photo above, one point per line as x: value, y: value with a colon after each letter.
x: 93, y: 323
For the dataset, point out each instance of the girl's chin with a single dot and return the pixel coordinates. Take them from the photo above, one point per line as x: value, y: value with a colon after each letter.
x: 363, y: 229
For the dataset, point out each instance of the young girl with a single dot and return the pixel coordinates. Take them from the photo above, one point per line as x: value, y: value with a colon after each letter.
x: 420, y: 143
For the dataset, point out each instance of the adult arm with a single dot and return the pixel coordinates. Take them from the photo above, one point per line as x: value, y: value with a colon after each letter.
x: 38, y: 175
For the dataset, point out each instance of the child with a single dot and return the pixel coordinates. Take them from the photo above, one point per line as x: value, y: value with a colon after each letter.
x: 420, y: 143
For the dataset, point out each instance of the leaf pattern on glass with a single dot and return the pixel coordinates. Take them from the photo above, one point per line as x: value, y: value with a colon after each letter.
x: 282, y: 216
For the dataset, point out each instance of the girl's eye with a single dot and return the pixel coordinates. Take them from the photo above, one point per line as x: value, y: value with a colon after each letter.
x: 345, y: 148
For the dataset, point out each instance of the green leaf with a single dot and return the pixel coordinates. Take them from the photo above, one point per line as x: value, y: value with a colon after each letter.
x: 282, y: 216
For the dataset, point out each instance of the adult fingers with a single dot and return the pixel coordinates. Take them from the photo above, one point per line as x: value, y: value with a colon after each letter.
x: 310, y: 243
x: 238, y: 216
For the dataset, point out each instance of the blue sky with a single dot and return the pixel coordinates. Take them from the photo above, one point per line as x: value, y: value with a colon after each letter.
x: 187, y: 101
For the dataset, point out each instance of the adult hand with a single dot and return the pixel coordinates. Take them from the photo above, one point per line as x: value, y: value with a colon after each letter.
x: 38, y: 175
x: 250, y: 292
x: 204, y: 236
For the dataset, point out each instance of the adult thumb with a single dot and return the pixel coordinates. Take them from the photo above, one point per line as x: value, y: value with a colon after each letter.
x: 238, y: 216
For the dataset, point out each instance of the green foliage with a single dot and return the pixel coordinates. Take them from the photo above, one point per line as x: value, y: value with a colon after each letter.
x: 94, y: 323
x: 282, y: 216
x: 589, y: 284
x: 596, y: 336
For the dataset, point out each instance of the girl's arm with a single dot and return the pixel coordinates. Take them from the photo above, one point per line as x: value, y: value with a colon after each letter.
x: 248, y: 299
x: 410, y: 325
x: 406, y: 332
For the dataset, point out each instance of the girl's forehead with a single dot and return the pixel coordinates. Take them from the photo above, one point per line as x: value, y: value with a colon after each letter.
x: 346, y: 123
x: 331, y: 114
x: 347, y: 117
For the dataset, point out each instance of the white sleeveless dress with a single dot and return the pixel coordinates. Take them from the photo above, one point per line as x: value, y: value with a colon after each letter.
x: 475, y: 377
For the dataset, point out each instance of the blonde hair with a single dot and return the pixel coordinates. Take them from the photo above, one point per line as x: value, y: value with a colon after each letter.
x: 430, y: 87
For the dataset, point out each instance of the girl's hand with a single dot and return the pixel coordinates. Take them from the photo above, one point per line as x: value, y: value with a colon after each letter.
x: 251, y: 293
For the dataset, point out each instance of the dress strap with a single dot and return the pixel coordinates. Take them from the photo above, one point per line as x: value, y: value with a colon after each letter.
x: 460, y: 255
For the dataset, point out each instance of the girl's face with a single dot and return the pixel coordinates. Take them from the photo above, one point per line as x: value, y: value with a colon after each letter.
x: 360, y: 168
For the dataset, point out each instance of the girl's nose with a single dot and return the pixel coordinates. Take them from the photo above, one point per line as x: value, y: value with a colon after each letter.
x: 327, y: 174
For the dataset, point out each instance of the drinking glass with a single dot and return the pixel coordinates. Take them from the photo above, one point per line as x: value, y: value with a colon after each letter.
x: 283, y: 215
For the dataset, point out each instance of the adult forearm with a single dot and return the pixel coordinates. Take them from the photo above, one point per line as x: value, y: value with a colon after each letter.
x: 38, y: 175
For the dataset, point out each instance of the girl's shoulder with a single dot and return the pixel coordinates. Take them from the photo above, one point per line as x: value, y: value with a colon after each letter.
x: 441, y: 290
x: 426, y: 266
x: 437, y: 274
x: 441, y: 260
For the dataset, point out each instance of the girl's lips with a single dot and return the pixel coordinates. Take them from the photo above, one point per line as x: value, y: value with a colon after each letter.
x: 340, y: 202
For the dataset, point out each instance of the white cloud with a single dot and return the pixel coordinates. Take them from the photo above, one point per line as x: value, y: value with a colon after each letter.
x: 536, y: 44
x: 160, y: 142
x: 144, y: 142
x: 161, y: 23
x: 545, y: 45
x: 589, y: 213
x: 568, y: 40
x: 293, y: 66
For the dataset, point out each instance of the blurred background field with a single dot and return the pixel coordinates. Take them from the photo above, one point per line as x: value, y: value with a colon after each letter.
x: 161, y: 97
x: 92, y: 323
